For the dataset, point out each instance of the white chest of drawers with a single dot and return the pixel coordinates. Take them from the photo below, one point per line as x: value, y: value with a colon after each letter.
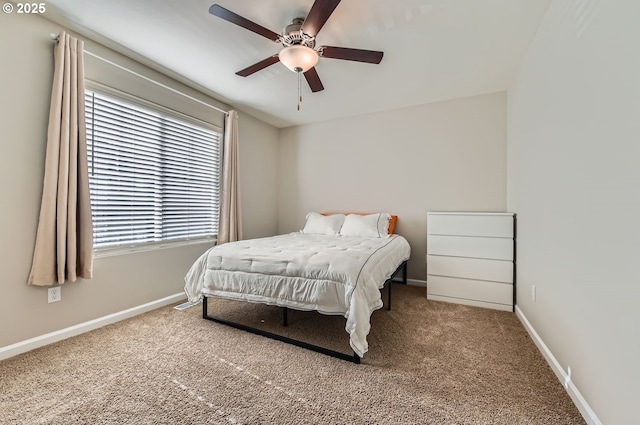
x: 470, y: 258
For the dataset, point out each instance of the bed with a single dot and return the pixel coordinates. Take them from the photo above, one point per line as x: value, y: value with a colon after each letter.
x: 325, y: 267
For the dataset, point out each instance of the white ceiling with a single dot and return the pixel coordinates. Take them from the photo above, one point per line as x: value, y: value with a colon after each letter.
x: 433, y: 49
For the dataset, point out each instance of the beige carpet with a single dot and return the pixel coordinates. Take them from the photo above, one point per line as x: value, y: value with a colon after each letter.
x: 428, y: 363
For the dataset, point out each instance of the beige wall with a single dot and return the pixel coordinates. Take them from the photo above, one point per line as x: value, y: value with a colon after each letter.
x: 120, y: 282
x: 442, y: 156
x: 573, y: 179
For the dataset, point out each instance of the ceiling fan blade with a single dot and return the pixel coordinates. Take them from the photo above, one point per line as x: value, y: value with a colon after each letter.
x: 258, y: 66
x: 318, y: 15
x: 314, y: 80
x: 358, y: 55
x: 234, y: 18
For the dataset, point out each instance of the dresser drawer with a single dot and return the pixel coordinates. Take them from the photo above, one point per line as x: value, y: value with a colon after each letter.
x: 474, y: 247
x: 470, y: 268
x: 465, y: 289
x: 470, y: 224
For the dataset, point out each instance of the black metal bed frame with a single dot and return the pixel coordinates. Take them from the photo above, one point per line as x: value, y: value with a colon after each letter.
x: 337, y: 354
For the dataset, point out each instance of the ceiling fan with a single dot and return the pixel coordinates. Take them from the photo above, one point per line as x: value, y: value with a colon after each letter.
x: 298, y: 39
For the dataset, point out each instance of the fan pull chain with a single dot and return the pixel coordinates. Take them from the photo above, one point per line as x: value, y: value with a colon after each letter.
x: 299, y: 72
x: 299, y: 94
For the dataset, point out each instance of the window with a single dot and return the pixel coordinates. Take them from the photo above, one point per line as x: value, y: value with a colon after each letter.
x: 154, y: 175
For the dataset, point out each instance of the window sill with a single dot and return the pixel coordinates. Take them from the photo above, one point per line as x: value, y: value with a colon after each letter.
x: 113, y: 252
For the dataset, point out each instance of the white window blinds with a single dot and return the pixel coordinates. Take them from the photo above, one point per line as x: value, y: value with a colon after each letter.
x: 153, y: 177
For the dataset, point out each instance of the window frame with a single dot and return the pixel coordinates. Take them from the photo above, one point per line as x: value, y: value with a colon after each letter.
x: 161, y: 109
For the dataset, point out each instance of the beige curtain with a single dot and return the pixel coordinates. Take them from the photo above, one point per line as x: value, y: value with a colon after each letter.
x: 64, y: 242
x: 230, y: 227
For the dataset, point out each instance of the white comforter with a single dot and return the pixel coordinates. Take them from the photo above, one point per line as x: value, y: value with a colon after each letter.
x: 330, y: 274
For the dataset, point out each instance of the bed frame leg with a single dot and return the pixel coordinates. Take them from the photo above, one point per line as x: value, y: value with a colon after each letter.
x: 285, y: 316
x: 404, y: 273
x: 204, y: 307
x: 390, y: 281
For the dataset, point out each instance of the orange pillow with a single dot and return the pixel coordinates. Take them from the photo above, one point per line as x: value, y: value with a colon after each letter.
x: 392, y: 221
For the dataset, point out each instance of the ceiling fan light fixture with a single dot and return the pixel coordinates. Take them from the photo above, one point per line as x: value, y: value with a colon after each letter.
x: 298, y: 58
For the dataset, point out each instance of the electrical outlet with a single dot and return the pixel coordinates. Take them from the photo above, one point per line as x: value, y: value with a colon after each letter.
x: 533, y: 293
x: 55, y: 294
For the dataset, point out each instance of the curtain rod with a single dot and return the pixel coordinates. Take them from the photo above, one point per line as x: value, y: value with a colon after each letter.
x: 55, y: 38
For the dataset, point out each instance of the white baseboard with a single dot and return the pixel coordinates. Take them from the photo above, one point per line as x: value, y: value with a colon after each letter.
x: 416, y: 282
x: 42, y: 340
x: 587, y: 413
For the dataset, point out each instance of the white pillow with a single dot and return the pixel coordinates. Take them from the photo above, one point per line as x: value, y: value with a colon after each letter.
x: 371, y: 225
x: 323, y: 225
